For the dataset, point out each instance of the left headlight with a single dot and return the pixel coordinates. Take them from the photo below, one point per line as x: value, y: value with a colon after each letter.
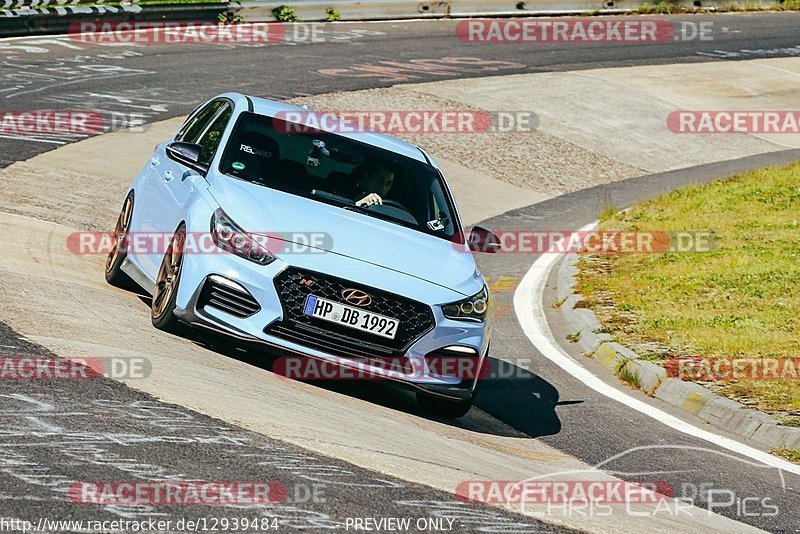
x: 229, y: 237
x: 474, y: 308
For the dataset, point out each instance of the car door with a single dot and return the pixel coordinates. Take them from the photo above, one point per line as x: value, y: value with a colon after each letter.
x: 170, y: 184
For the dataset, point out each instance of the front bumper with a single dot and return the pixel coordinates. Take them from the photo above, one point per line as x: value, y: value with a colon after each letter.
x: 258, y: 281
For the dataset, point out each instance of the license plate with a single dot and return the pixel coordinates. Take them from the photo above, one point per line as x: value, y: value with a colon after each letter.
x: 351, y: 317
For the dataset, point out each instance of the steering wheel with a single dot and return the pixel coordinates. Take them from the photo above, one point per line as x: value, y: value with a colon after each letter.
x: 393, y: 204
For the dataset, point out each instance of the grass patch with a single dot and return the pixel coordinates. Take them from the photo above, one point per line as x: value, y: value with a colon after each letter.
x: 789, y: 454
x: 286, y: 14
x: 671, y: 8
x: 332, y: 15
x: 662, y: 8
x: 627, y: 376
x: 787, y: 5
x: 606, y: 210
x: 738, y: 301
x: 574, y: 337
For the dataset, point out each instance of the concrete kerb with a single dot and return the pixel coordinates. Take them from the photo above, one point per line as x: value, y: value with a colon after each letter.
x: 652, y: 379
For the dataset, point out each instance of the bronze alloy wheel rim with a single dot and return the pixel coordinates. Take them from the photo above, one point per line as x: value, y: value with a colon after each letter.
x: 120, y: 231
x: 168, y: 275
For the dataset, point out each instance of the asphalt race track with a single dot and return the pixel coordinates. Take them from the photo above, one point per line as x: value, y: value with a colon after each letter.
x: 160, y: 80
x: 101, y: 427
x: 153, y: 82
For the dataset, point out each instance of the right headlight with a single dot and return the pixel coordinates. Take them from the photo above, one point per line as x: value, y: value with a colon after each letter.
x: 474, y: 308
x: 229, y: 237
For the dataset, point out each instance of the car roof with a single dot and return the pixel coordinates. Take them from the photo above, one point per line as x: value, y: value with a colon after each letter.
x: 265, y: 106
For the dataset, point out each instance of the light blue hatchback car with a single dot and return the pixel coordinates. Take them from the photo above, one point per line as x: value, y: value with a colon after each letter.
x: 332, y: 247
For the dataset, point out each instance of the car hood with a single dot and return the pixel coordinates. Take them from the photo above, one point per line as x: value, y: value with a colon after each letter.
x: 261, y: 210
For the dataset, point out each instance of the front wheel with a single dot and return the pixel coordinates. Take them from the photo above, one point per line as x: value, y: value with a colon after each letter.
x: 162, y: 308
x: 451, y: 409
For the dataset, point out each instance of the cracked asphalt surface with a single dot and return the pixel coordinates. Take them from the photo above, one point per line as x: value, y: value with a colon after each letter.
x: 56, y: 433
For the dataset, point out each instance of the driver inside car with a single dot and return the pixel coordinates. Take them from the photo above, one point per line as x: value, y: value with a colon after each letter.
x: 372, y: 184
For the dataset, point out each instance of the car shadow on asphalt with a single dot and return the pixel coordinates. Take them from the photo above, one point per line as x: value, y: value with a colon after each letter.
x: 522, y: 406
x: 520, y: 399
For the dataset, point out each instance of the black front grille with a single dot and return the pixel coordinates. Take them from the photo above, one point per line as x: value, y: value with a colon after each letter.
x: 416, y: 319
x: 228, y: 299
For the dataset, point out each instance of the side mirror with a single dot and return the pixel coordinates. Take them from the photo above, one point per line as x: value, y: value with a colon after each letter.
x: 188, y: 154
x: 482, y: 240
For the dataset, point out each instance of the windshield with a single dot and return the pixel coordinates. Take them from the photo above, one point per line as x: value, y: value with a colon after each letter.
x: 336, y: 170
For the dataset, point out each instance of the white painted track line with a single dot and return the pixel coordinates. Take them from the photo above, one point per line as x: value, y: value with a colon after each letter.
x: 529, y: 307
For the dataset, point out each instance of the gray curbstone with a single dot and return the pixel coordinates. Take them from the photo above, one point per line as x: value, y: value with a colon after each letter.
x: 648, y: 375
x: 688, y: 395
x: 778, y: 437
x: 612, y: 356
x: 571, y: 301
x: 582, y: 319
x: 566, y: 277
x: 652, y: 379
x: 590, y: 341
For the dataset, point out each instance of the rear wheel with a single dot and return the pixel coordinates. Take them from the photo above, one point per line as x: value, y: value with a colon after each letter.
x: 116, y: 256
x: 165, y: 293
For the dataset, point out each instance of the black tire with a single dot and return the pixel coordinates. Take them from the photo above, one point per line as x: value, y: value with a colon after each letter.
x: 165, y: 292
x: 446, y: 408
x: 116, y: 256
x: 452, y: 409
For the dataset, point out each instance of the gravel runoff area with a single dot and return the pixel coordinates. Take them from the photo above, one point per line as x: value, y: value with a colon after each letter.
x: 531, y: 159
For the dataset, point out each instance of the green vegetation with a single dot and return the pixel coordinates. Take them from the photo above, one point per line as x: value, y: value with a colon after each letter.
x: 229, y: 18
x: 574, y: 337
x: 790, y: 454
x: 626, y: 376
x: 667, y: 8
x: 662, y: 8
x: 331, y: 15
x: 787, y: 5
x: 606, y: 213
x: 738, y: 301
x: 286, y: 14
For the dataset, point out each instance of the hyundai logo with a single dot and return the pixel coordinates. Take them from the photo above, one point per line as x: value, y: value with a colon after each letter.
x: 356, y: 297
